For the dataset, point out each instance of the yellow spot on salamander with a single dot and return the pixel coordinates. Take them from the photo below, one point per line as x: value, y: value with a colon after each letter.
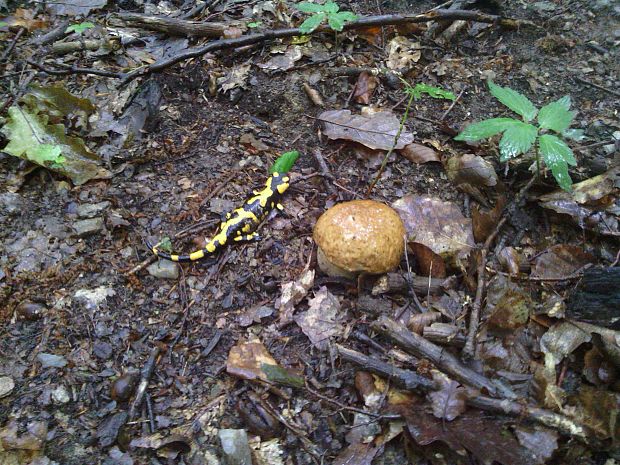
x: 210, y: 247
x: 197, y: 255
x: 174, y: 258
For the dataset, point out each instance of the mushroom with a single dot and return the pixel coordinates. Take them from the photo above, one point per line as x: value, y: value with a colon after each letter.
x: 361, y: 236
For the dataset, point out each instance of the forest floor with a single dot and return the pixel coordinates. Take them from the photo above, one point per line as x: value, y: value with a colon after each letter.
x: 87, y: 313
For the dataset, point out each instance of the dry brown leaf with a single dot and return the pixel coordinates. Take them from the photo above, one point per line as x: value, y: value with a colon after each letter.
x: 365, y: 87
x: 508, y: 304
x: 448, y: 401
x: 24, y: 18
x: 292, y: 293
x: 437, y: 224
x: 418, y: 153
x: 376, y: 131
x: 429, y: 263
x: 320, y: 322
x: 402, y: 53
x: 509, y: 258
x: 484, y: 223
x: 560, y: 261
x: 471, y: 169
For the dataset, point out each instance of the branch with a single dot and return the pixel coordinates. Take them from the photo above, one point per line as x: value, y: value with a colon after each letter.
x: 173, y: 26
x: 381, y: 20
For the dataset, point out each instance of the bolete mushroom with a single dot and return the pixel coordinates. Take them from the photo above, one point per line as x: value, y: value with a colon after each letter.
x: 361, y: 236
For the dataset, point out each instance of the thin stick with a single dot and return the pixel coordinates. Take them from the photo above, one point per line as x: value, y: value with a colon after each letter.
x: 147, y: 372
x: 474, y: 318
x: 325, y: 171
x: 598, y: 86
x: 10, y: 48
x: 452, y: 105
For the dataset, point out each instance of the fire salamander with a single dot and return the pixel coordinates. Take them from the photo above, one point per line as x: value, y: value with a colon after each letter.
x: 240, y: 224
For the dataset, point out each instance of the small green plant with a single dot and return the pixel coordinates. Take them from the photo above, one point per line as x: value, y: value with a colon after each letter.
x: 330, y: 11
x: 420, y: 88
x: 255, y: 24
x: 520, y: 136
x: 79, y: 28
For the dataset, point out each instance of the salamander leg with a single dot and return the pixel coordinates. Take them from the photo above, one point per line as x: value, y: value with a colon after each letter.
x: 248, y: 238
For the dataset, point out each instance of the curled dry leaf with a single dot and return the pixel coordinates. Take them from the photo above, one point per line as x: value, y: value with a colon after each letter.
x: 313, y: 95
x: 365, y: 87
x: 508, y: 304
x: 560, y: 261
x: 509, y: 258
x: 376, y: 131
x: 252, y: 361
x: 471, y: 169
x: 284, y: 62
x: 437, y: 224
x: 484, y: 223
x: 418, y: 153
x: 320, y: 322
x: 429, y: 263
x: 402, y: 53
x: 449, y: 400
x: 293, y: 293
x: 236, y: 77
x: 541, y: 442
x: 419, y: 321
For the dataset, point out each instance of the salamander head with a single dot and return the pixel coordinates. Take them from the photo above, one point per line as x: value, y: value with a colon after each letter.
x: 278, y: 182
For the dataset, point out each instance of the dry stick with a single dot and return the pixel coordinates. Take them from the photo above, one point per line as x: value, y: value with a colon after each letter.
x: 420, y: 347
x: 507, y: 407
x: 10, y: 48
x: 173, y: 26
x: 325, y: 171
x: 73, y: 70
x: 403, y: 378
x: 53, y: 35
x: 598, y: 86
x: 381, y: 20
x: 474, y: 318
x: 452, y: 105
x: 147, y: 372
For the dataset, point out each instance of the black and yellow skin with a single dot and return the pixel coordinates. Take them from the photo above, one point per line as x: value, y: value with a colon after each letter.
x: 240, y: 224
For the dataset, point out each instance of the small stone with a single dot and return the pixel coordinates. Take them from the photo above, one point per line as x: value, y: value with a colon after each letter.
x: 164, y: 269
x: 30, y: 311
x: 91, y: 210
x: 51, y: 360
x: 11, y: 203
x: 102, y: 349
x: 123, y: 387
x: 92, y: 299
x: 235, y: 447
x: 88, y: 227
x: 6, y: 386
x: 544, y: 6
x: 60, y: 395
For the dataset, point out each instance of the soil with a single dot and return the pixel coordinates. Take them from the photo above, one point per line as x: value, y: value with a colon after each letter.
x: 190, y: 149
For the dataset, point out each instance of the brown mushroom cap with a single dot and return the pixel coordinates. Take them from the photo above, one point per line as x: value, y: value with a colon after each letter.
x: 361, y: 236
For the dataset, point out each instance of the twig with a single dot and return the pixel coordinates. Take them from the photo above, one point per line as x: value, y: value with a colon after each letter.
x: 326, y: 174
x: 149, y: 411
x: 173, y: 26
x: 70, y: 69
x: 147, y: 372
x: 381, y: 20
x: 420, y: 347
x: 10, y: 48
x: 53, y: 35
x: 348, y: 407
x: 404, y: 378
x: 418, y: 304
x: 474, y: 317
x: 598, y: 86
x: 183, y: 321
x: 453, y: 103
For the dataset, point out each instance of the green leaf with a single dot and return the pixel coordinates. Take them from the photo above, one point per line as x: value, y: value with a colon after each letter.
x: 33, y: 139
x: 485, y: 129
x: 517, y: 139
x: 555, y: 157
x: 255, y: 24
x: 574, y: 134
x: 435, y: 92
x: 308, y: 7
x: 556, y: 116
x: 335, y: 22
x: 277, y: 374
x: 284, y: 162
x: 165, y: 244
x: 517, y: 102
x: 3, y: 24
x: 311, y: 23
x: 79, y: 28
x: 331, y: 8
x: 556, y: 147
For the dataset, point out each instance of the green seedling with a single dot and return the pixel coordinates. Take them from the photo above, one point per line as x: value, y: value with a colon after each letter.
x: 284, y: 162
x: 255, y: 24
x: 520, y: 136
x: 330, y: 11
x: 431, y: 91
x: 79, y: 28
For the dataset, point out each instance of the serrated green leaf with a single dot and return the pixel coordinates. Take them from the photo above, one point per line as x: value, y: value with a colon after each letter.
x: 79, y: 28
x: 255, y: 24
x: 311, y: 23
x: 347, y: 16
x: 308, y: 7
x: 556, y: 147
x: 556, y: 116
x: 335, y: 22
x: 484, y: 129
x: 331, y: 8
x: 432, y: 91
x: 517, y: 102
x: 33, y: 139
x: 284, y: 162
x: 518, y: 138
x: 165, y: 244
x: 574, y: 134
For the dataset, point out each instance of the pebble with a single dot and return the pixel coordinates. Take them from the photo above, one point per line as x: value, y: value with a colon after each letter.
x: 164, y: 269
x: 6, y: 386
x: 544, y: 6
x: 88, y: 227
x: 11, y: 203
x: 90, y: 210
x: 30, y: 311
x: 60, y: 395
x: 51, y: 360
x: 91, y: 299
x: 102, y: 350
x: 235, y: 446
